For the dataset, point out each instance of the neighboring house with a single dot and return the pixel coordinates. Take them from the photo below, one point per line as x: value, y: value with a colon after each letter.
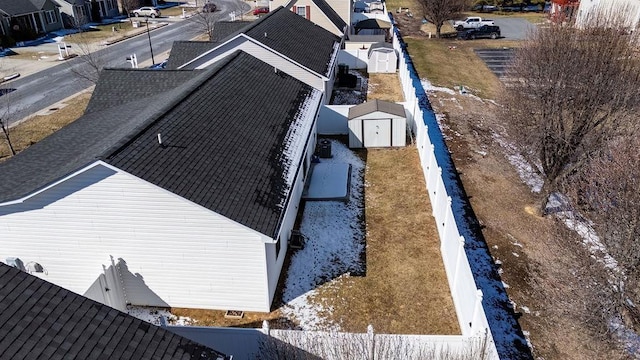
x: 625, y: 12
x: 281, y: 39
x: 106, y: 8
x: 23, y: 20
x: 179, y: 188
x: 74, y: 13
x: 39, y: 320
x: 332, y: 15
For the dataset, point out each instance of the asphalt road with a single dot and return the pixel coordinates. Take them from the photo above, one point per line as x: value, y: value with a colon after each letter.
x: 514, y: 28
x: 49, y: 86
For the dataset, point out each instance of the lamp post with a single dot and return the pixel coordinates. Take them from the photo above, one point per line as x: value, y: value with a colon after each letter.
x: 149, y: 37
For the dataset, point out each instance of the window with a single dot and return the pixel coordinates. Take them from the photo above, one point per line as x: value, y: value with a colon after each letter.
x: 303, y: 11
x: 51, y: 16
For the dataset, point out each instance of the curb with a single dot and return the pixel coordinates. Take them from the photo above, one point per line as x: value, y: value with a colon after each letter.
x: 140, y: 32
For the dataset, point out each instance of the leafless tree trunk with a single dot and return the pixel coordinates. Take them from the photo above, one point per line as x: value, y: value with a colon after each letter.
x: 206, y: 21
x: 439, y: 11
x: 571, y: 91
x: 5, y: 131
x: 88, y: 54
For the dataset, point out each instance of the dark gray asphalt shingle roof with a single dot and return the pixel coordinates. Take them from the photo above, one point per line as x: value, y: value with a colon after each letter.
x: 184, y: 51
x: 224, y: 144
x: 224, y: 129
x: 84, y: 140
x: 119, y: 86
x: 299, y: 39
x: 226, y: 29
x: 39, y: 320
x: 18, y: 7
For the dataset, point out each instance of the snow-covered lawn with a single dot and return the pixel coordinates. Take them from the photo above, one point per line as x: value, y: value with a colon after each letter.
x: 335, y: 242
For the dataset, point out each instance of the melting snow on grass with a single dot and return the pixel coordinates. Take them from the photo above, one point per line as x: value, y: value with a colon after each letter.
x: 334, y: 245
x: 428, y: 86
x: 158, y: 316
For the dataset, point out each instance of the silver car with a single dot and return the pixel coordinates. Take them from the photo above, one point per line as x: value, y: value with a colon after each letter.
x: 146, y: 11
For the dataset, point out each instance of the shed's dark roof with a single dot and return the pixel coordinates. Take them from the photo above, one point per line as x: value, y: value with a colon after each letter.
x: 291, y: 35
x: 373, y: 24
x: 224, y: 143
x: 379, y: 45
x: 184, y: 51
x: 40, y: 320
x: 331, y: 14
x: 18, y: 7
x: 376, y: 105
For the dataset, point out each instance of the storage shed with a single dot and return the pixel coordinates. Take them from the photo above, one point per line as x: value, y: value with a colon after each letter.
x: 382, y: 58
x: 377, y: 123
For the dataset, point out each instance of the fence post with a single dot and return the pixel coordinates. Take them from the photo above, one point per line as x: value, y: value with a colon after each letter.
x: 476, y: 310
x: 372, y: 342
x: 456, y: 270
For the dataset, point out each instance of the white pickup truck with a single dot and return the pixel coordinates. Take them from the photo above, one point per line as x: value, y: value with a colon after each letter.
x: 472, y: 22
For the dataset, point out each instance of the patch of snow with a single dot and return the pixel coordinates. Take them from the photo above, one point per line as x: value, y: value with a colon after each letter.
x: 525, y: 309
x: 428, y: 86
x: 515, y: 254
x: 524, y: 169
x: 334, y: 245
x: 296, y: 138
x: 155, y: 316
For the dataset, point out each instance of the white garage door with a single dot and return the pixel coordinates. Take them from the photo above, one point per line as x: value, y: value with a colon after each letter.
x: 377, y: 133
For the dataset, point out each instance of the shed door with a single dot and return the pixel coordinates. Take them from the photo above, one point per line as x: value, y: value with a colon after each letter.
x: 376, y: 133
x: 383, y: 63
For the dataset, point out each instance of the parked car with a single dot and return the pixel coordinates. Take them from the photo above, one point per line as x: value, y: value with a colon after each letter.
x: 532, y: 8
x: 209, y: 7
x: 260, y: 10
x: 511, y: 8
x: 485, y: 8
x: 472, y: 22
x: 146, y: 11
x: 484, y: 31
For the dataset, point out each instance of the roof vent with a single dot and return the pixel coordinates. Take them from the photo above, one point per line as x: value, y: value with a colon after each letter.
x: 275, y: 69
x: 34, y: 267
x: 265, y: 34
x: 159, y: 139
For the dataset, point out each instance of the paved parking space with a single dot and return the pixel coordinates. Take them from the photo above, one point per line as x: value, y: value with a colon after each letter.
x: 497, y: 60
x: 513, y: 28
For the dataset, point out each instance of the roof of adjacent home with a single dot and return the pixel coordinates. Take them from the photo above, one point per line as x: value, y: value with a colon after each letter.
x: 290, y: 35
x: 224, y: 147
x: 376, y: 105
x: 184, y: 51
x: 13, y: 7
x: 40, y: 320
x: 331, y: 14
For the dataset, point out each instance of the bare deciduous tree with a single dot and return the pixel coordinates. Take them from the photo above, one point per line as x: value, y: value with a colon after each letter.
x: 572, y: 90
x: 92, y: 62
x: 206, y: 21
x: 606, y: 192
x: 439, y: 11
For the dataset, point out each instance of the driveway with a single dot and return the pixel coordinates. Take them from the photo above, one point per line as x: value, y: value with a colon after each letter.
x: 514, y: 28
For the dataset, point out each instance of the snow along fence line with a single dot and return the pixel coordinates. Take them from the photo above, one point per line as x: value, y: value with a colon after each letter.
x: 481, y: 302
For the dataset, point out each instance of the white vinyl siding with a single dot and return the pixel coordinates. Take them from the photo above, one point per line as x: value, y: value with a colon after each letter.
x: 268, y: 56
x: 185, y: 254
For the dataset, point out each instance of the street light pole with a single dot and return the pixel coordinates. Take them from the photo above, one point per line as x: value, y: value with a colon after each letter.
x: 150, y: 47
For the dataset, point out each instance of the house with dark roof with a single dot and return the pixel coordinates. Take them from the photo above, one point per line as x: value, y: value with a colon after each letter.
x: 27, y: 19
x: 281, y: 39
x: 39, y: 320
x: 332, y: 15
x: 176, y: 188
x: 74, y: 12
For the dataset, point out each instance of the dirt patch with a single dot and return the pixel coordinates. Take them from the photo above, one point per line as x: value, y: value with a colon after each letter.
x: 385, y: 87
